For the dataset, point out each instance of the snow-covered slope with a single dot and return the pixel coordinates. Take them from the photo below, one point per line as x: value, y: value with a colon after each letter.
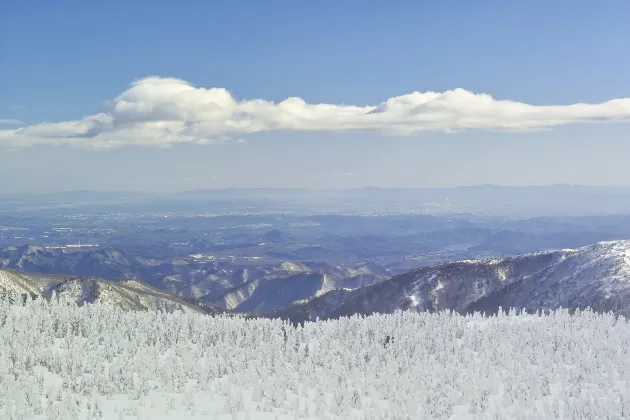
x: 129, y: 295
x: 189, y: 277
x: 596, y: 276
x: 64, y: 362
x: 265, y: 294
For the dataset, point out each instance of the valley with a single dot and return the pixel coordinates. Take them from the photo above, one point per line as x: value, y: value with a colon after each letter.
x: 302, y: 266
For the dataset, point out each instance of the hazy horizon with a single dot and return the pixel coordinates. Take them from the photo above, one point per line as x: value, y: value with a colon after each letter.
x: 366, y: 187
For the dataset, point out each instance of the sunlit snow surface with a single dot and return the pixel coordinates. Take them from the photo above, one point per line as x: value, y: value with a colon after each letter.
x: 60, y: 361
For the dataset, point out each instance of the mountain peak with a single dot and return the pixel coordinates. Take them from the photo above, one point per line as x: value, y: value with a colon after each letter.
x: 30, y: 249
x: 292, y: 267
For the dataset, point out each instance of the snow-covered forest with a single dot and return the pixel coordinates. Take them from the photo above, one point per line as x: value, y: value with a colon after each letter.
x: 59, y: 361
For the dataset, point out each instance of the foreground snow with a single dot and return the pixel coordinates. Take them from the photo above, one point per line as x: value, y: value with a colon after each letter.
x: 65, y: 362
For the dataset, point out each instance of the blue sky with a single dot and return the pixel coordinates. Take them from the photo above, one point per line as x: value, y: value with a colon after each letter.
x: 62, y: 61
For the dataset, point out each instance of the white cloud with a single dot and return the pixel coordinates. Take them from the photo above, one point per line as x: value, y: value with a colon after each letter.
x: 162, y: 112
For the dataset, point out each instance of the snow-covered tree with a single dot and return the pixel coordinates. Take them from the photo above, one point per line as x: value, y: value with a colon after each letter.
x: 59, y: 361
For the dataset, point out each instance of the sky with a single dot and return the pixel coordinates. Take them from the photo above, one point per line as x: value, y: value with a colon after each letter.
x: 166, y: 96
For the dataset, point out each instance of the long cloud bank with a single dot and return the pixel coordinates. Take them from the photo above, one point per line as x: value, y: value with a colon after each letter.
x: 161, y: 112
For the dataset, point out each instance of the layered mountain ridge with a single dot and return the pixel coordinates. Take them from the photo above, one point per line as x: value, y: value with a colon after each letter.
x: 196, y: 277
x: 596, y: 276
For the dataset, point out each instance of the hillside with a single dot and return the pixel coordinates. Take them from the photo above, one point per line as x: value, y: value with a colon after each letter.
x: 196, y: 277
x: 596, y: 276
x: 128, y: 295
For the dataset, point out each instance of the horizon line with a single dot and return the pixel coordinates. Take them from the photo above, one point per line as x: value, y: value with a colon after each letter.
x: 367, y: 187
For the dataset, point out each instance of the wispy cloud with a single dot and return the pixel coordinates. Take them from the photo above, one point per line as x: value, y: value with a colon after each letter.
x: 194, y: 179
x: 333, y: 175
x: 161, y: 112
x: 10, y: 121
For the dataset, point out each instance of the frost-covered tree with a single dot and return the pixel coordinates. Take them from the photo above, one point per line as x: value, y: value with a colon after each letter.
x: 511, y: 365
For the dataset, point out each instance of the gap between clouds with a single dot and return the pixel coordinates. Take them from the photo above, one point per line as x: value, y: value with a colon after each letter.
x: 161, y: 112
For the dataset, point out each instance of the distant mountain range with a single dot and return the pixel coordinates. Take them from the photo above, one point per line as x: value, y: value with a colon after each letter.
x: 197, y: 278
x: 596, y: 276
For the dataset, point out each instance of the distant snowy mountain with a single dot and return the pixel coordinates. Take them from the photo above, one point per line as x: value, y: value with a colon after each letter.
x: 197, y: 277
x: 596, y: 276
x: 266, y: 295
x: 290, y: 283
x: 128, y: 295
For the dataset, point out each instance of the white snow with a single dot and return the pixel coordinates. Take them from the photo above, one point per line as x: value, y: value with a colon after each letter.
x: 596, y: 276
x: 60, y: 361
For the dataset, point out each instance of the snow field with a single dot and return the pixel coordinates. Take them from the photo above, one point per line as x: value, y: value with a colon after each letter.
x: 59, y: 361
